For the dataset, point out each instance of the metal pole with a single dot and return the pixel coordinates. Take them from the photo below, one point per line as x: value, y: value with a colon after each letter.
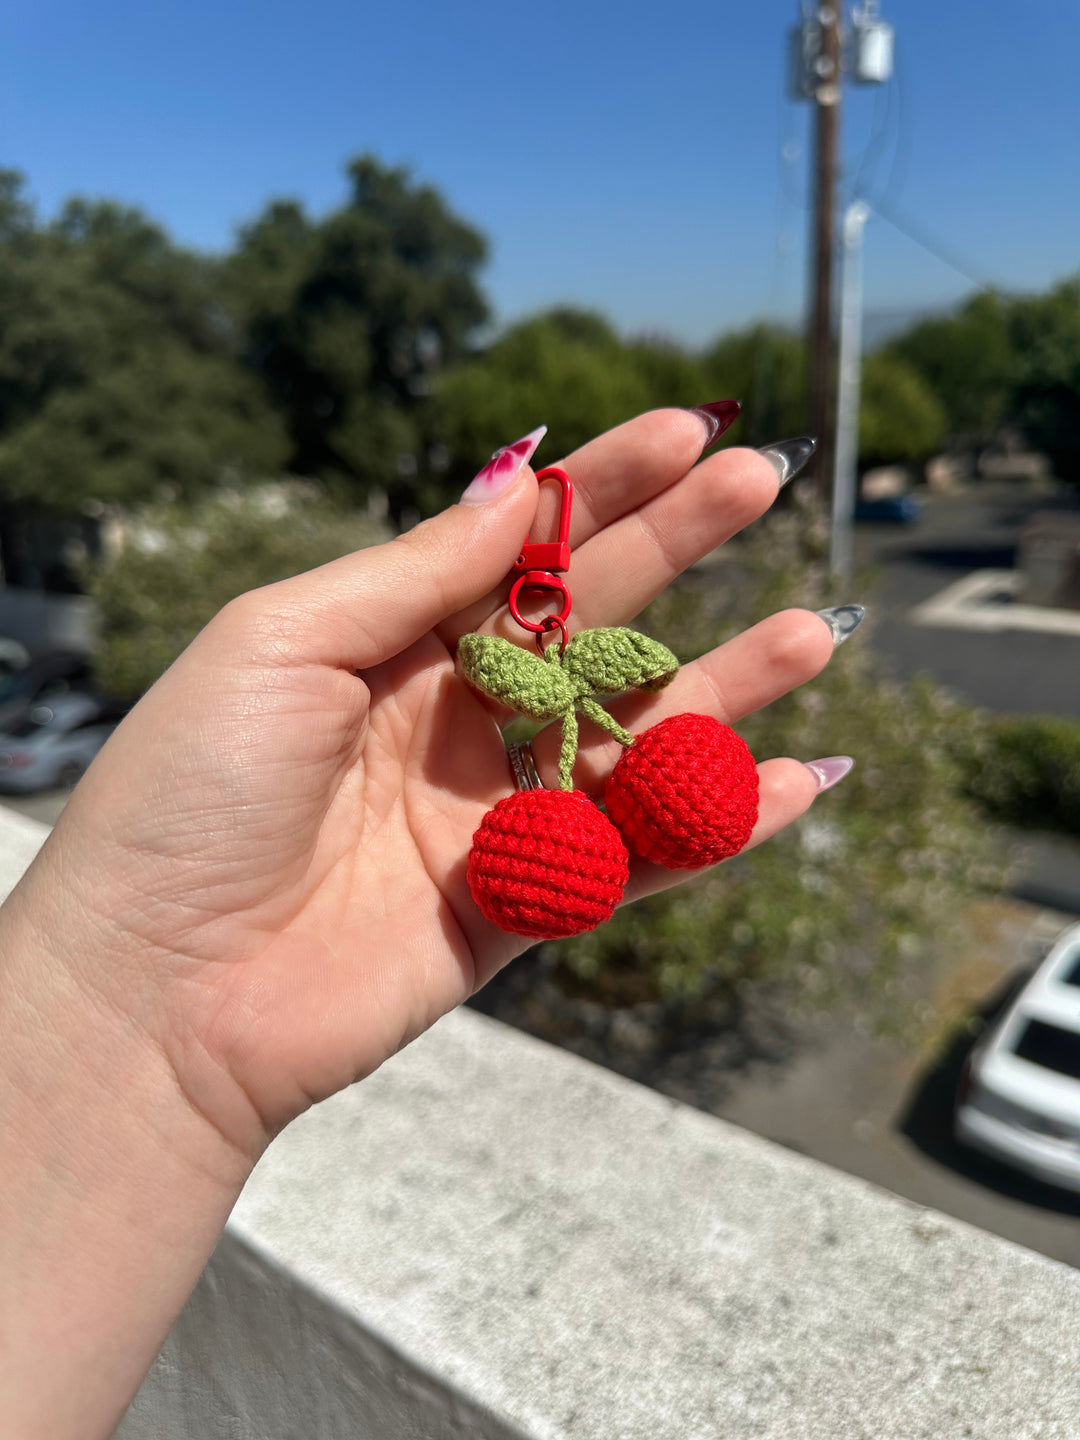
x: 826, y: 144
x: 850, y: 374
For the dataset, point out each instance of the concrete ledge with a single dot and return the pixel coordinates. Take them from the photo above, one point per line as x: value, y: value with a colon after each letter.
x: 576, y: 1256
x: 493, y: 1238
x: 257, y: 1355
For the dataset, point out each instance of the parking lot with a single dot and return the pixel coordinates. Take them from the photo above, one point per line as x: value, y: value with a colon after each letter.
x: 876, y: 1110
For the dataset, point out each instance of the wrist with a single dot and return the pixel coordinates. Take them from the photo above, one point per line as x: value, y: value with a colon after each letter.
x: 114, y: 1187
x: 73, y: 948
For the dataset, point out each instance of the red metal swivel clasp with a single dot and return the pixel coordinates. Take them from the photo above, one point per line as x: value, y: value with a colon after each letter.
x: 535, y: 567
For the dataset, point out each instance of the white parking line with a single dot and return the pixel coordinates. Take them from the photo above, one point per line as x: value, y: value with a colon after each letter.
x: 986, y: 600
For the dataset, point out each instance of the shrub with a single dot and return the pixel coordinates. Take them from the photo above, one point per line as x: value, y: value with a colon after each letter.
x: 840, y: 908
x: 173, y: 567
x: 1024, y: 770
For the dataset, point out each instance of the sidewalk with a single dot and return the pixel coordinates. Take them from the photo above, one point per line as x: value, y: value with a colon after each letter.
x: 1046, y: 871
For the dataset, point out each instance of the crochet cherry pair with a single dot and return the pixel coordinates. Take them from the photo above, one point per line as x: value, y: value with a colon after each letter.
x: 548, y: 863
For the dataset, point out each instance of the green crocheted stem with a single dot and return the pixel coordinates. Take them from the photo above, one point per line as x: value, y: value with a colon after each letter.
x: 600, y: 716
x: 568, y: 753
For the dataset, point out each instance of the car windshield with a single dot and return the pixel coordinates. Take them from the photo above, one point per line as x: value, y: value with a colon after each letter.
x: 1071, y: 974
x: 1051, y: 1047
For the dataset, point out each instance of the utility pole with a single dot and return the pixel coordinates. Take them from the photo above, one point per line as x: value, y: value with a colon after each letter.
x: 822, y: 263
x: 822, y: 51
x: 848, y: 390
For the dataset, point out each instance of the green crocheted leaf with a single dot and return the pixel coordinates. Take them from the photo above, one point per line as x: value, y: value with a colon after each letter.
x: 515, y: 678
x: 607, y: 662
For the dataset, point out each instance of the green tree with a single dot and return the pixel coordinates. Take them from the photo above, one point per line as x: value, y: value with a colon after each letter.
x: 348, y: 318
x: 567, y: 369
x: 1045, y: 333
x: 900, y: 417
x: 764, y: 366
x: 969, y: 363
x: 119, y: 370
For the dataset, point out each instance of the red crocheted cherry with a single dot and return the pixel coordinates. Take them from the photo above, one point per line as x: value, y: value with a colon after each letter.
x: 547, y: 863
x: 685, y: 794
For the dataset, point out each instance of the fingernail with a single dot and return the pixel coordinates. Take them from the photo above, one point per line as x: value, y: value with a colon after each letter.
x: 717, y: 416
x: 787, y: 457
x: 503, y: 469
x: 829, y: 771
x: 842, y: 620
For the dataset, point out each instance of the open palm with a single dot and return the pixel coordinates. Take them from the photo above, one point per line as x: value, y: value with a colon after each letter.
x: 271, y: 852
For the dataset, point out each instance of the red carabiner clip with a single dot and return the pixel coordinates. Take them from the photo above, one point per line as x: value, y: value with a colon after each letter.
x: 551, y: 554
x: 538, y: 561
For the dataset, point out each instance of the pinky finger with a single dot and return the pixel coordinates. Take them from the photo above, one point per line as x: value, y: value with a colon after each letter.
x: 786, y: 790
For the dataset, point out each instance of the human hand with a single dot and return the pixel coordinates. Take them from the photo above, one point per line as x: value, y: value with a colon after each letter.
x: 265, y: 868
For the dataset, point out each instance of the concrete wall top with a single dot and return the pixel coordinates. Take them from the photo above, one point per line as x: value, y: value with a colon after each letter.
x: 586, y: 1258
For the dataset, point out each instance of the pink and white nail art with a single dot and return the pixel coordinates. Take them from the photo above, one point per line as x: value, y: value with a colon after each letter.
x: 503, y: 468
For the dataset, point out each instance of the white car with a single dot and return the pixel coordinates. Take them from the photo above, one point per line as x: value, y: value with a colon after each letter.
x: 55, y: 743
x: 1019, y: 1095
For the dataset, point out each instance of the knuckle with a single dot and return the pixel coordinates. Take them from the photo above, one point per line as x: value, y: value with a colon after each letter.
x: 799, y: 641
x: 259, y: 625
x: 755, y: 479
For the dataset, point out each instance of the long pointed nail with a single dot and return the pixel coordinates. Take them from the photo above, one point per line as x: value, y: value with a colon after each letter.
x: 829, y: 771
x: 787, y: 457
x: 842, y: 620
x: 717, y: 416
x: 503, y: 469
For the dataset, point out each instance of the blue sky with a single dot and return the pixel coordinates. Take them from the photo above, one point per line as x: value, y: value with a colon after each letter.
x: 622, y: 156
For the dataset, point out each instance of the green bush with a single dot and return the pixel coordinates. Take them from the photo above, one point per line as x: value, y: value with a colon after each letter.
x: 842, y: 908
x: 173, y: 567
x: 1024, y: 770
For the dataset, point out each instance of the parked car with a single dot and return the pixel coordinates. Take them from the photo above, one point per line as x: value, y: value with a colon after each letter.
x: 1019, y: 1094
x: 55, y: 743
x: 897, y: 509
x: 38, y: 680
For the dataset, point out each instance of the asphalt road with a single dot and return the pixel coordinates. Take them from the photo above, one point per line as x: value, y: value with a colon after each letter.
x: 976, y: 530
x: 867, y: 1106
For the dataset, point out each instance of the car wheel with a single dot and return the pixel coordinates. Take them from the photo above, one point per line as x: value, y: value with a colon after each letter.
x: 70, y: 773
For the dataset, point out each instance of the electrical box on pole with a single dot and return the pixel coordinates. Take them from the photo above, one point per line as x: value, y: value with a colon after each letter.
x: 872, y: 46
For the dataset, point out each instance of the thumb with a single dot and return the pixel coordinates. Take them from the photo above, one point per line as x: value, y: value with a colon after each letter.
x: 365, y: 607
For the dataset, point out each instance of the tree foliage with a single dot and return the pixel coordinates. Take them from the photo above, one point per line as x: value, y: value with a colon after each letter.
x: 1046, y: 340
x: 119, y: 373
x: 900, y: 418
x: 566, y: 369
x: 1007, y: 360
x: 348, y: 318
x: 764, y: 366
x: 343, y: 347
x: 968, y: 362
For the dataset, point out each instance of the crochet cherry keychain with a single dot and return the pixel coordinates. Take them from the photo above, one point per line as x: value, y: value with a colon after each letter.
x: 549, y: 863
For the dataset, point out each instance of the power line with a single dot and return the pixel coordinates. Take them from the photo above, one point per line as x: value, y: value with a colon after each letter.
x: 926, y: 241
